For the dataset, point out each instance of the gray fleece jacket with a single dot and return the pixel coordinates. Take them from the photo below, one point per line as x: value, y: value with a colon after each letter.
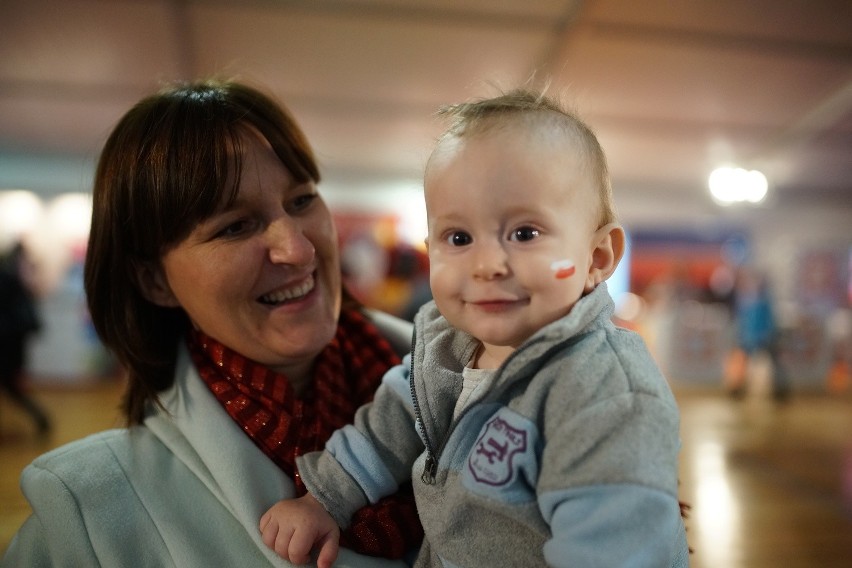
x: 569, y: 458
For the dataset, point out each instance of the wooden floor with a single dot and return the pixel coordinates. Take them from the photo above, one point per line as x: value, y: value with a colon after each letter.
x: 770, y: 484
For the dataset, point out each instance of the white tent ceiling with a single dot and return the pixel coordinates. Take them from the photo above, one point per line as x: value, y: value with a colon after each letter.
x: 673, y: 87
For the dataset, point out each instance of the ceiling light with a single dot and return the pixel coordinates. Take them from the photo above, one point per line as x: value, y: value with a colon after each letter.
x: 729, y: 185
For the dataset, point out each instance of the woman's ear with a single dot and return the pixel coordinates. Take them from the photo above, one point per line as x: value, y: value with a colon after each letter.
x: 607, y: 250
x: 154, y: 285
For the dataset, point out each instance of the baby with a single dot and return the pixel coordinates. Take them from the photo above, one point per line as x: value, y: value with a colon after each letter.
x: 534, y: 430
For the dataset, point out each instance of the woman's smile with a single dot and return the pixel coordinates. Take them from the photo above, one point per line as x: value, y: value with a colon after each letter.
x: 289, y: 294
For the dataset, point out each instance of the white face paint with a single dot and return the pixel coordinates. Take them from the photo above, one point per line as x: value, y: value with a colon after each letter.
x: 563, y: 268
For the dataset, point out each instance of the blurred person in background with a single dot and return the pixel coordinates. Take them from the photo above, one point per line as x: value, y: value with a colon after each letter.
x: 19, y: 322
x: 757, y: 332
x: 213, y: 274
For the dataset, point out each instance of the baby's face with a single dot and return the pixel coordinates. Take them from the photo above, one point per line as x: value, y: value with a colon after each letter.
x: 512, y: 218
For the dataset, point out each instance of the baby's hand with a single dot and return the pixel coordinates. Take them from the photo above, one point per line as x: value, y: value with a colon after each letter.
x: 292, y: 528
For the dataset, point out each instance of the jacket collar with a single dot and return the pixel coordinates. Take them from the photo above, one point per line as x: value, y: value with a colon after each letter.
x: 201, y: 435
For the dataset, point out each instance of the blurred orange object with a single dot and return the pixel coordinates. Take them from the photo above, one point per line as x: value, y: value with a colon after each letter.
x: 736, y: 367
x: 838, y: 378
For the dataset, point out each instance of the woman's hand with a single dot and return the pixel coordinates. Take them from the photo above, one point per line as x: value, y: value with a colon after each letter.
x: 294, y: 527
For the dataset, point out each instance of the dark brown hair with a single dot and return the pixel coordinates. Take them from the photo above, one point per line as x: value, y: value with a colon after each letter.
x: 169, y: 164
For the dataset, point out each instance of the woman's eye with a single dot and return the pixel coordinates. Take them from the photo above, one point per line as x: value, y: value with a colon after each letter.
x: 524, y: 234
x: 459, y: 239
x: 234, y: 229
x: 301, y: 202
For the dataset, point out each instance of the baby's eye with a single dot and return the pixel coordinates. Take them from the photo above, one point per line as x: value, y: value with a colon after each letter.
x: 524, y: 234
x: 459, y: 239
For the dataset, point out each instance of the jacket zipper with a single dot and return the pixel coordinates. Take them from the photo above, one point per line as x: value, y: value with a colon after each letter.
x: 431, y: 468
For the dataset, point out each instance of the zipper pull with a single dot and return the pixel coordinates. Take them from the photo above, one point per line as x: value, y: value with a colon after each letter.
x: 429, y: 471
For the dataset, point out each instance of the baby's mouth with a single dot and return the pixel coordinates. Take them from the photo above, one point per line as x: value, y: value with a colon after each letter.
x: 289, y: 294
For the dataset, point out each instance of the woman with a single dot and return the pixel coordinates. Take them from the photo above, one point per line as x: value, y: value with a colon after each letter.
x: 213, y: 274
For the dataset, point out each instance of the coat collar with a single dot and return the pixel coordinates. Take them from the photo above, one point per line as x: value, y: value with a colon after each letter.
x: 197, y: 430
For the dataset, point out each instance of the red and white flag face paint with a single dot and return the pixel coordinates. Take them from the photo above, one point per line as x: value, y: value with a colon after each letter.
x: 563, y: 268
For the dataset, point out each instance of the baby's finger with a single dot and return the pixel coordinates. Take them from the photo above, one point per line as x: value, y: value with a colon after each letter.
x: 282, y: 544
x: 328, y: 550
x: 264, y: 520
x: 269, y: 532
x: 300, y: 544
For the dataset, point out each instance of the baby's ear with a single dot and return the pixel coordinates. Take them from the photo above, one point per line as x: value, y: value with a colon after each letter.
x: 607, y: 250
x: 154, y: 285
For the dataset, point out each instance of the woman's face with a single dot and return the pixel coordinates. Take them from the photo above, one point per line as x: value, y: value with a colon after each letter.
x: 263, y: 275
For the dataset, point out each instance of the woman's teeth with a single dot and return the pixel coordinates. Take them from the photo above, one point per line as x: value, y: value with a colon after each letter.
x: 290, y: 293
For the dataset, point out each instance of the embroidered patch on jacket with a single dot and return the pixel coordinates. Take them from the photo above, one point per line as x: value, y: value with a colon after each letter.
x: 490, y: 462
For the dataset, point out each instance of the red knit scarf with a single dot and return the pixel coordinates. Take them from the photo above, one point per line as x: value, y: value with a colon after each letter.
x: 346, y: 375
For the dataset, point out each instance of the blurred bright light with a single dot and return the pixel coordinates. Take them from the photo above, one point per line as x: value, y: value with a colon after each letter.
x: 631, y: 307
x: 55, y: 231
x: 402, y: 199
x: 70, y: 216
x: 717, y: 514
x: 413, y: 227
x: 730, y: 185
x: 21, y: 211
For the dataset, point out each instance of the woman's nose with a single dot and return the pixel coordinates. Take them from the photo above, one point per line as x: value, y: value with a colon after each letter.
x: 490, y: 261
x: 288, y: 243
